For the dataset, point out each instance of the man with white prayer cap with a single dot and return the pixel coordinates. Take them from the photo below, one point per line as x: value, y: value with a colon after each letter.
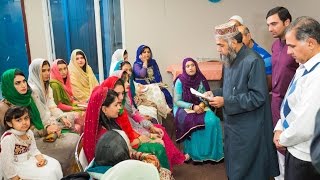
x: 248, y: 133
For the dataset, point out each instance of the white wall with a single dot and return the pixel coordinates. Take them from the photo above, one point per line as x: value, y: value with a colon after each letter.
x: 38, y: 29
x: 175, y: 29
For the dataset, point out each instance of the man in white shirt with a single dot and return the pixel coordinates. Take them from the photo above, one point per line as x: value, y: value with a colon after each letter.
x: 295, y: 128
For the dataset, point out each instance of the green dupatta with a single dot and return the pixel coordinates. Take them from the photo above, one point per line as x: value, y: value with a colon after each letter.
x: 10, y: 93
x: 59, y: 93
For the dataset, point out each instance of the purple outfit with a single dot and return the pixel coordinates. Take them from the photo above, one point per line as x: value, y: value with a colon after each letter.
x: 283, y: 70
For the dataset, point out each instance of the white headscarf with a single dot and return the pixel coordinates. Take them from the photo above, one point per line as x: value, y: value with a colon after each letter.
x: 133, y: 170
x: 44, y: 99
x: 116, y: 57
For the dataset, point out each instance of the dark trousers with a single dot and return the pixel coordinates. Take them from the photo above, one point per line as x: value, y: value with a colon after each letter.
x: 296, y: 169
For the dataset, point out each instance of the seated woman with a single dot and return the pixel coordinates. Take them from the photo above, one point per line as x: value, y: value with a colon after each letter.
x: 118, y: 56
x: 149, y: 98
x: 97, y: 126
x: 113, y: 149
x: 144, y: 126
x: 82, y: 78
x: 39, y: 78
x: 20, y: 157
x: 62, y: 93
x: 146, y: 71
x: 16, y: 92
x: 193, y: 121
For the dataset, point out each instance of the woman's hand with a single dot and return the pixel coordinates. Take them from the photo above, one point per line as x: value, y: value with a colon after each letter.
x: 152, y: 159
x: 156, y: 130
x: 66, y: 122
x: 41, y: 161
x: 54, y: 129
x: 144, y: 139
x: 198, y: 109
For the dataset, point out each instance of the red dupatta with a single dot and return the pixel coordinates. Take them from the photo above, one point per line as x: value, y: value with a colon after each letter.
x: 92, y: 129
x: 123, y: 119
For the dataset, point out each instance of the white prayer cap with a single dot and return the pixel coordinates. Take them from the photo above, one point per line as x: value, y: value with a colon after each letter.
x: 237, y: 18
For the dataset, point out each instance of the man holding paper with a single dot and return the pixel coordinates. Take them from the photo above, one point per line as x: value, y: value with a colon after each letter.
x: 249, y: 151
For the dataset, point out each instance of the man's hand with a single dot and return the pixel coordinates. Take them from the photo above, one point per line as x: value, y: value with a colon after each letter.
x: 217, y: 101
x: 276, y: 140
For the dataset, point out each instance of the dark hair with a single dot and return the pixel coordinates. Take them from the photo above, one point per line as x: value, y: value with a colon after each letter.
x: 85, y: 64
x: 124, y: 76
x: 111, y: 96
x: 18, y: 72
x: 282, y: 12
x: 119, y: 82
x: 146, y: 47
x: 125, y: 52
x: 306, y: 27
x: 14, y: 112
x: 45, y: 62
x: 124, y: 63
x: 105, y: 122
x: 238, y: 37
x: 61, y: 61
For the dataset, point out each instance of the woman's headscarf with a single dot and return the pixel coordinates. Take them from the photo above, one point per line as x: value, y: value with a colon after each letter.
x: 110, y: 82
x: 10, y: 93
x: 111, y: 149
x: 123, y: 119
x: 91, y: 127
x: 55, y: 76
x: 151, y: 62
x: 191, y: 82
x: 116, y: 58
x: 82, y: 82
x: 35, y: 78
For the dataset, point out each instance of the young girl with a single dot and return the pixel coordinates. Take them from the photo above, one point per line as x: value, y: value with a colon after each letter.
x: 20, y: 157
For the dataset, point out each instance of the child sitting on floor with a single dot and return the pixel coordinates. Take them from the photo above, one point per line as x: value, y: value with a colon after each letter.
x: 19, y: 156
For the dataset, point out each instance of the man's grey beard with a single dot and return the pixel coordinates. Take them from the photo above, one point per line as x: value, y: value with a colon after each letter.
x: 229, y: 58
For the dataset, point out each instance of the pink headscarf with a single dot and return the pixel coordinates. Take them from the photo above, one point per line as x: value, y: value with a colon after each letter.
x: 55, y: 75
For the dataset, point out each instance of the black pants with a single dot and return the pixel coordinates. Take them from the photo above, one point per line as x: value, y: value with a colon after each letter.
x: 296, y: 169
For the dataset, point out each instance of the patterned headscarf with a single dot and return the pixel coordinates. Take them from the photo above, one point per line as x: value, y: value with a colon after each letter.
x: 10, y: 93
x: 151, y: 62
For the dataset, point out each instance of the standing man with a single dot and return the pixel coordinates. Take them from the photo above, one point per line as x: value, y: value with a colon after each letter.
x: 283, y: 66
x: 301, y: 103
x: 249, y: 42
x: 249, y: 151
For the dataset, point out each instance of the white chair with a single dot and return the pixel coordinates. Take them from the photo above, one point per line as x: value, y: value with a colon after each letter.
x: 80, y: 157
